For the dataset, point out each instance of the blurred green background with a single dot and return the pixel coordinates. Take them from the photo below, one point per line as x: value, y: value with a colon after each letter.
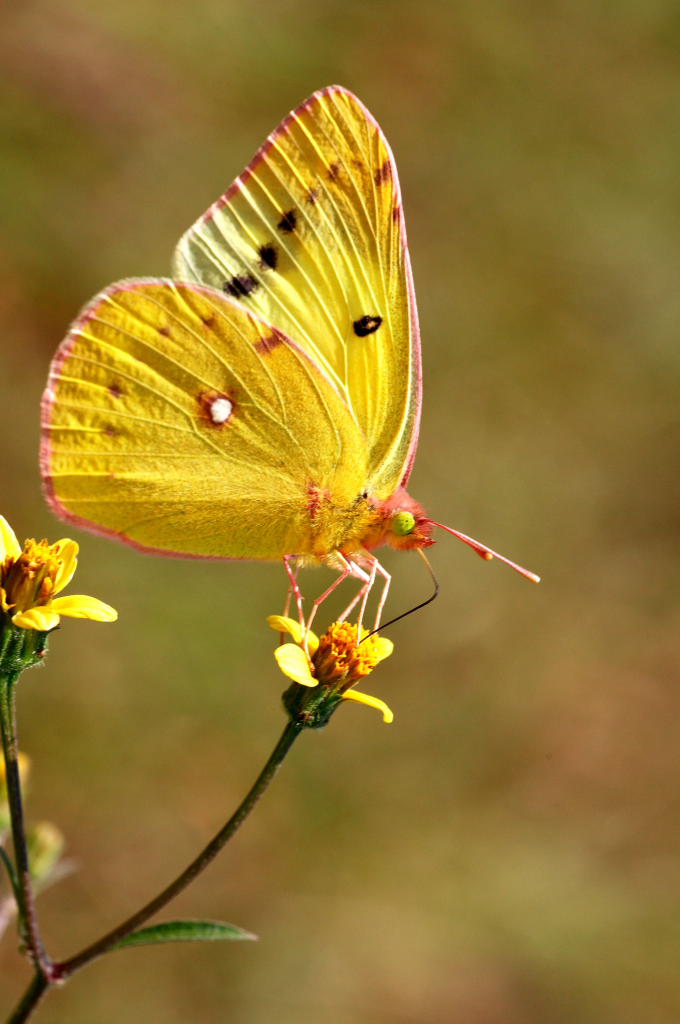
x: 508, y: 852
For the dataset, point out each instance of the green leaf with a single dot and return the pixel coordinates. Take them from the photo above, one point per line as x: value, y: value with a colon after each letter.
x: 185, y: 931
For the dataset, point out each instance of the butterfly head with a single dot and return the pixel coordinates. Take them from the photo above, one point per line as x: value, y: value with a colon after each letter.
x: 406, y: 524
x: 407, y: 531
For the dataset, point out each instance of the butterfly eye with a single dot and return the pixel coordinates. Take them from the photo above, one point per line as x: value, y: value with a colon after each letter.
x: 403, y: 523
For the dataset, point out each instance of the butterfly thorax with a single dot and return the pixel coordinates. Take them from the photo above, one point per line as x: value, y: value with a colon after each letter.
x: 365, y: 523
x: 335, y: 524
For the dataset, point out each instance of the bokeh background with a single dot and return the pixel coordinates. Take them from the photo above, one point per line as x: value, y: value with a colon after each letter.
x: 508, y: 852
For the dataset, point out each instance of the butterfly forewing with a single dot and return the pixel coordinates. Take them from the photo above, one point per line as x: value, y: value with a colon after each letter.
x: 311, y: 238
x: 180, y: 422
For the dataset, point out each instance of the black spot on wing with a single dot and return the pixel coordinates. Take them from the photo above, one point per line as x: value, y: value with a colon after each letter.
x: 288, y: 222
x: 269, y: 256
x: 241, y: 286
x: 366, y: 325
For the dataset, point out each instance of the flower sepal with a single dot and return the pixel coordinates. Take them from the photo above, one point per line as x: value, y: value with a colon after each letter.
x: 20, y: 649
x: 310, y: 707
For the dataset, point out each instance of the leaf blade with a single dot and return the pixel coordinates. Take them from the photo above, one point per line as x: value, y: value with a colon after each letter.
x: 185, y: 931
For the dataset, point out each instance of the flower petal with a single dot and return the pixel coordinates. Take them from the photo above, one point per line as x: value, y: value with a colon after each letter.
x: 382, y: 648
x: 68, y: 551
x: 283, y: 624
x: 41, y: 618
x: 294, y: 663
x: 79, y: 606
x: 371, y: 702
x: 9, y: 545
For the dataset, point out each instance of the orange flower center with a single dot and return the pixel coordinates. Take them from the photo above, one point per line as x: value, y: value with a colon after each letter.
x: 340, y: 659
x: 28, y: 580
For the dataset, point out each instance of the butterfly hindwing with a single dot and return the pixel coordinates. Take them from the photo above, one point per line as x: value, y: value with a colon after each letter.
x: 311, y: 238
x: 179, y: 421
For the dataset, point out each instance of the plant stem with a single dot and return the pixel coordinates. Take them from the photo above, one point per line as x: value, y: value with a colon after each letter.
x: 49, y: 973
x: 59, y: 972
x: 30, y: 999
x: 23, y: 888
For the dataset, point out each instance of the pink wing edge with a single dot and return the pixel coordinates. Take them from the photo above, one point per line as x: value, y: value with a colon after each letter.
x: 240, y: 181
x: 48, y: 400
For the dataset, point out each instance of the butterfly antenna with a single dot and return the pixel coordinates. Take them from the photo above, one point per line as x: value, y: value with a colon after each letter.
x: 416, y: 608
x: 487, y: 553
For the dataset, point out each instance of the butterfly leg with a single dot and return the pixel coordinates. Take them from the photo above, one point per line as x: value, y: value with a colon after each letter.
x: 293, y: 588
x: 376, y: 570
x: 383, y: 597
x: 348, y: 568
x: 364, y: 591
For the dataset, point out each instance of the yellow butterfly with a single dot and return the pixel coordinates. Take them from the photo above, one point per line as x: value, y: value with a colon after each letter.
x: 264, y: 403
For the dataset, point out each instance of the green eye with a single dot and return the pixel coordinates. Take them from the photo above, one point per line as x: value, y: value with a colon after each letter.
x: 403, y: 523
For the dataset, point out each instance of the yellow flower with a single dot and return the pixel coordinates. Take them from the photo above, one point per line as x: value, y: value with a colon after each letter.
x: 32, y: 576
x: 334, y: 661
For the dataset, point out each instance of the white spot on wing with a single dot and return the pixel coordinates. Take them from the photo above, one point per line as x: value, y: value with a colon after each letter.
x: 220, y: 410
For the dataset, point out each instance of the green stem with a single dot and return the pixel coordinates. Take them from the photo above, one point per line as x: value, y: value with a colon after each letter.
x: 30, y: 999
x: 5, y: 641
x: 59, y: 972
x: 24, y: 889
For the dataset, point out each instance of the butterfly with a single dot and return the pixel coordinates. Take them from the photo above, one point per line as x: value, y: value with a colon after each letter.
x: 264, y: 403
